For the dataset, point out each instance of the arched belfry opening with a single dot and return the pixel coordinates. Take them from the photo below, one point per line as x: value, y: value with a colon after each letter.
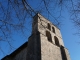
x: 56, y: 41
x: 49, y: 27
x: 53, y: 30
x: 48, y: 36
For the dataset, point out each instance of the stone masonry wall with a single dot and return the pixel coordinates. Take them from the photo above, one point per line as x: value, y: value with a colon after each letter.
x: 21, y: 55
x: 42, y: 28
x: 49, y: 51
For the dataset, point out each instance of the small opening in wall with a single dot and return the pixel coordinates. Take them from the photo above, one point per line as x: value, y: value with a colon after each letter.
x: 53, y: 30
x: 48, y: 36
x: 63, y: 53
x: 49, y: 27
x: 56, y: 41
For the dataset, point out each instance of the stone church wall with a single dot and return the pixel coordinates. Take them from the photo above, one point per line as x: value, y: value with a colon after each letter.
x: 49, y: 51
x: 21, y: 55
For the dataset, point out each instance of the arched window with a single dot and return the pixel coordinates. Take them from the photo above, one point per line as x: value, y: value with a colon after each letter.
x: 63, y: 54
x: 49, y: 27
x: 56, y: 41
x: 49, y: 36
x: 53, y: 30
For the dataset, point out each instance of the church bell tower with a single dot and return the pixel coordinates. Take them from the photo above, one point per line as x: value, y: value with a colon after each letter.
x: 46, y: 42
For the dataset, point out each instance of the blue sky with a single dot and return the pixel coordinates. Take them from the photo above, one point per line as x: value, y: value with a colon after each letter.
x: 71, y: 40
x: 68, y: 34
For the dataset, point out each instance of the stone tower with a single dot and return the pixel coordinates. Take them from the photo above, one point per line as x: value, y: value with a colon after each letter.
x: 45, y: 43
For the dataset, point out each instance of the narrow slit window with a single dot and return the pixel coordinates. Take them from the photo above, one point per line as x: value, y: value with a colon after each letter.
x: 49, y: 36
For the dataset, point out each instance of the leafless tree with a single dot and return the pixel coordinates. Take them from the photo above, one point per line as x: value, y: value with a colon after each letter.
x: 75, y: 17
x: 15, y: 13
